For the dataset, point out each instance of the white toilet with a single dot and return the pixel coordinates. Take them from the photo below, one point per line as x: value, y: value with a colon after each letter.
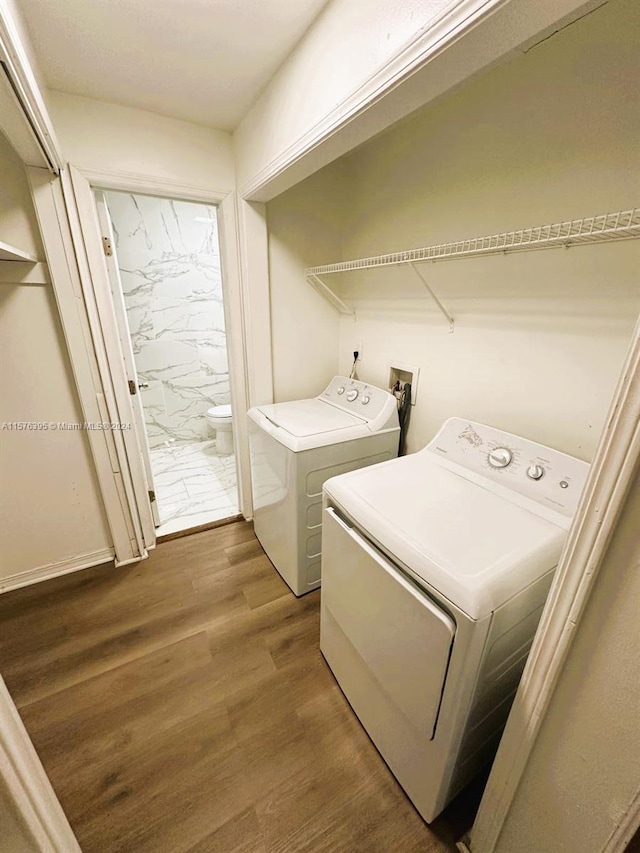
x: 220, y: 419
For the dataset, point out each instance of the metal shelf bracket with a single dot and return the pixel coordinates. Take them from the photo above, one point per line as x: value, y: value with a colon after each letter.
x: 329, y: 294
x: 434, y: 297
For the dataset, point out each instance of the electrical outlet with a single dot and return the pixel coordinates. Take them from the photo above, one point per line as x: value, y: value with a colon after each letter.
x: 357, y: 347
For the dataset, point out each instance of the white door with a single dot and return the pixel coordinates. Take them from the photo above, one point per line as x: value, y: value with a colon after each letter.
x: 105, y: 332
x: 120, y: 311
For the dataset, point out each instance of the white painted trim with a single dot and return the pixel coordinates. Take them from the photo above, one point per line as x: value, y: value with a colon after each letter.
x: 24, y: 272
x: 609, y: 480
x: 106, y: 337
x: 119, y: 311
x: 27, y: 92
x: 63, y: 266
x: 437, y: 59
x: 163, y: 187
x: 36, y: 806
x: 15, y: 127
x: 626, y: 829
x: 54, y: 570
x: 114, y: 398
x: 254, y: 267
x: 240, y: 352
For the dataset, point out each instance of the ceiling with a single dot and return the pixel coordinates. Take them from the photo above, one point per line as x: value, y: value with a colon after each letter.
x: 204, y: 61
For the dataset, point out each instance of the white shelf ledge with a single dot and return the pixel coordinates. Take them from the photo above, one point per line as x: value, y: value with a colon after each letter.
x: 595, y: 229
x: 10, y: 253
x: 604, y: 228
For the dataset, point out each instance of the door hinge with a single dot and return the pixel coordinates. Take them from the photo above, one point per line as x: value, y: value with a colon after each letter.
x: 133, y: 387
x: 106, y: 245
x: 152, y: 495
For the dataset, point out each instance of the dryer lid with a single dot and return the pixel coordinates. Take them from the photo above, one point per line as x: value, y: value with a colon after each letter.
x: 309, y: 417
x: 475, y: 547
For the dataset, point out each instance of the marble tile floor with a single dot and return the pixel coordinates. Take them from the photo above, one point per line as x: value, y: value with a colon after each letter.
x: 194, y: 485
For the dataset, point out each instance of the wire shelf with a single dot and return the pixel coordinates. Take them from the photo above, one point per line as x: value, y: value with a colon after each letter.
x: 575, y: 232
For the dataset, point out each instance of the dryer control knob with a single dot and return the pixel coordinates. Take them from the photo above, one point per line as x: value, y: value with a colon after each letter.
x: 365, y: 400
x: 535, y: 472
x: 341, y: 389
x: 500, y: 457
x: 351, y: 395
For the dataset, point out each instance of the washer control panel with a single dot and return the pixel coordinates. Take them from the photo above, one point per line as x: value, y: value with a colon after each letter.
x: 362, y: 399
x: 500, y: 457
x: 535, y: 471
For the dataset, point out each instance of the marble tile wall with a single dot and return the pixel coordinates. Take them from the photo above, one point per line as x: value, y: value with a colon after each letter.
x: 169, y: 261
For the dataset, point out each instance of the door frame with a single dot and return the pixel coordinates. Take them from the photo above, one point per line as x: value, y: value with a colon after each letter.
x: 36, y: 809
x: 124, y: 335
x: 594, y: 526
x: 235, y: 296
x: 248, y: 335
x: 64, y: 268
x: 94, y: 278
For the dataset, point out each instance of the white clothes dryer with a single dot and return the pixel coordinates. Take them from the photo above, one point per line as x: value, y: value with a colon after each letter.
x: 435, y: 569
x: 294, y: 447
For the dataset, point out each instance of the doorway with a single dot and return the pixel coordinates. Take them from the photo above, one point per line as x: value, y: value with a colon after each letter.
x: 164, y: 262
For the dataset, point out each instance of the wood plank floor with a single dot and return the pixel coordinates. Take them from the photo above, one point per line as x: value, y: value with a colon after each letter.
x: 182, y: 704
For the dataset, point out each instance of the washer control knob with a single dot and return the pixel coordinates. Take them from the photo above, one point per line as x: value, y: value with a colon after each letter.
x: 365, y: 400
x: 535, y: 472
x: 351, y: 395
x: 500, y: 457
x: 341, y: 389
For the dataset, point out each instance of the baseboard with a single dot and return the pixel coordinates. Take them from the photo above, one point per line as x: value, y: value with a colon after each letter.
x: 463, y: 845
x: 53, y: 570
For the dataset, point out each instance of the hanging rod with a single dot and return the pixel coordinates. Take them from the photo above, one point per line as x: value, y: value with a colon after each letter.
x: 575, y: 232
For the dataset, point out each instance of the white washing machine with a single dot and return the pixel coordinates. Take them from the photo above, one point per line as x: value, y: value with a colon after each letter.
x: 435, y: 570
x: 294, y: 447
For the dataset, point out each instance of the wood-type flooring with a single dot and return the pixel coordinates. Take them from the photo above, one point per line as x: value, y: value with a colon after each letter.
x: 181, y: 705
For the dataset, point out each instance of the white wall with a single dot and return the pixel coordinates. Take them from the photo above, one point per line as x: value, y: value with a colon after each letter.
x: 50, y: 509
x: 540, y: 337
x: 362, y: 67
x: 583, y: 773
x: 97, y: 136
x: 305, y: 228
x: 344, y: 47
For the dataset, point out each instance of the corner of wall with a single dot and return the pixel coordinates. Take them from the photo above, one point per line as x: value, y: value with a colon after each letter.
x: 103, y: 137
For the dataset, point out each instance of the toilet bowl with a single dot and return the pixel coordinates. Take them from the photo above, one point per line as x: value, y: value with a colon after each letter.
x: 220, y: 419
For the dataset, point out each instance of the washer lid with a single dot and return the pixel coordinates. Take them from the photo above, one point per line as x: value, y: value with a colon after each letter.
x: 309, y: 417
x: 475, y: 547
